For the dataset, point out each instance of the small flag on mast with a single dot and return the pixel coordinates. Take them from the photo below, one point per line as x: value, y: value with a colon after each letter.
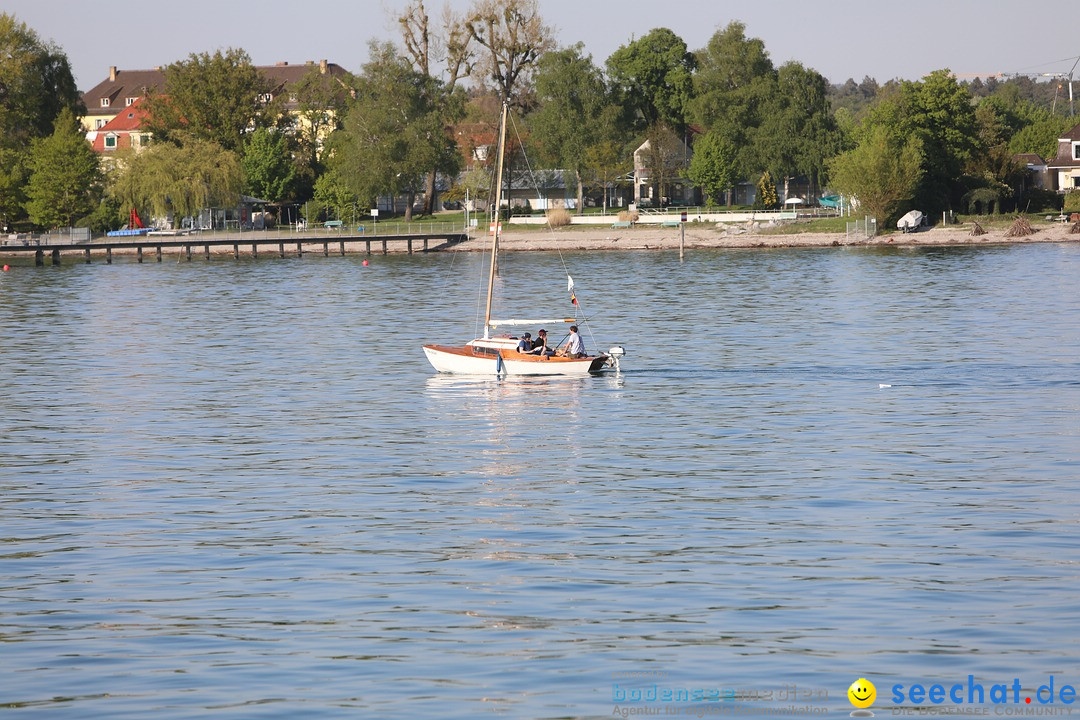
x: 570, y: 289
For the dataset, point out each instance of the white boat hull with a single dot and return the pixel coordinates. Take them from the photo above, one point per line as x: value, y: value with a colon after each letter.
x: 468, y: 360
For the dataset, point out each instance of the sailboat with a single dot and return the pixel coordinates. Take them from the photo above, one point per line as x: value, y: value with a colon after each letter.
x: 489, y: 355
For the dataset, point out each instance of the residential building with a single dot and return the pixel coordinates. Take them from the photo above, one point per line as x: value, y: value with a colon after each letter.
x: 1065, y: 167
x: 125, y: 130
x: 123, y: 88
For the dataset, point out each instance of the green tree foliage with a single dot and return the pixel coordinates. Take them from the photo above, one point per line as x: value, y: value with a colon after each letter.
x: 766, y: 193
x: 797, y: 134
x: 425, y: 47
x: 35, y: 85
x: 1072, y: 201
x: 321, y: 101
x: 713, y: 166
x: 216, y: 98
x: 333, y: 200
x: 572, y: 112
x: 179, y: 181
x: 652, y: 77
x: 882, y: 173
x: 938, y: 112
x: 64, y: 175
x: 267, y: 164
x: 394, y: 133
x: 1036, y: 130
x: 733, y: 87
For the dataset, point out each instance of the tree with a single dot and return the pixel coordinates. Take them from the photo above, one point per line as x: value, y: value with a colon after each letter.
x: 425, y: 47
x: 64, y: 175
x: 734, y: 85
x: 332, y: 194
x: 664, y: 157
x: 394, y: 133
x: 797, y: 133
x: 514, y: 37
x: 216, y: 98
x: 180, y: 181
x: 881, y: 173
x: 713, y: 166
x: 571, y: 113
x: 766, y: 192
x: 938, y: 112
x: 321, y: 101
x: 267, y: 165
x: 653, y: 78
x: 607, y: 160
x: 35, y: 85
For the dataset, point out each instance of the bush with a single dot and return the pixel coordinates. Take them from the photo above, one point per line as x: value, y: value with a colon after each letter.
x: 1072, y: 201
x: 558, y: 217
x: 627, y: 216
x: 1037, y: 200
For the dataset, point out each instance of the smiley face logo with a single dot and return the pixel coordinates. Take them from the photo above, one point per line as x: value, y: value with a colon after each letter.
x: 862, y: 693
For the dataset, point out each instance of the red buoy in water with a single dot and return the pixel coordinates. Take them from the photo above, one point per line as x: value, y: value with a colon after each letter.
x: 364, y: 263
x: 6, y: 268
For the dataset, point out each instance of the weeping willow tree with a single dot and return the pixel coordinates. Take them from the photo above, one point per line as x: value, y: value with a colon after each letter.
x: 179, y: 181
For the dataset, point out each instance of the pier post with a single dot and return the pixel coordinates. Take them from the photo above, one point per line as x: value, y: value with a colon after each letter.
x: 56, y: 256
x: 368, y: 244
x: 254, y: 251
x: 157, y: 251
x: 206, y: 251
x: 383, y: 247
x: 342, y: 247
x: 326, y: 249
x: 236, y: 251
x: 187, y: 251
x: 299, y: 249
x: 39, y: 257
x: 425, y: 244
x: 409, y: 244
x: 108, y: 256
x: 86, y: 253
x: 138, y: 253
x: 281, y: 249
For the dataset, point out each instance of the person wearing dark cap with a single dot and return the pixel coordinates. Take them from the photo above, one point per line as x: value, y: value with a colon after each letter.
x: 539, y: 346
x: 526, y: 343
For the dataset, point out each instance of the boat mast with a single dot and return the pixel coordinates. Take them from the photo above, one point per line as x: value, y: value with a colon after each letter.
x: 498, y: 214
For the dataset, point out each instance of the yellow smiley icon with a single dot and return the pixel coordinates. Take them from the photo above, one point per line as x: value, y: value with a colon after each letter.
x: 862, y: 693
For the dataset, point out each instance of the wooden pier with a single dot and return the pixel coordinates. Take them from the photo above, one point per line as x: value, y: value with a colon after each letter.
x: 283, y: 245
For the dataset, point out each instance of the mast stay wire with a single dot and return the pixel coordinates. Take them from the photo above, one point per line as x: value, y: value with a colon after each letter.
x: 578, y: 307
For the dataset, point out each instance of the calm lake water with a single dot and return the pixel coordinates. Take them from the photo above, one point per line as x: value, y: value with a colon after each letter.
x: 238, y: 490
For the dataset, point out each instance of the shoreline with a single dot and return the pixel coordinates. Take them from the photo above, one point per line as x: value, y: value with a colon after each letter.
x: 698, y: 237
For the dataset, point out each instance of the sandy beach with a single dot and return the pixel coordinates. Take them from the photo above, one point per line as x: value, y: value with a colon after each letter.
x: 700, y: 237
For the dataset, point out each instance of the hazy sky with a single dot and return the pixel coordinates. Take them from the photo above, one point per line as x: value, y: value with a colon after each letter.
x: 840, y: 39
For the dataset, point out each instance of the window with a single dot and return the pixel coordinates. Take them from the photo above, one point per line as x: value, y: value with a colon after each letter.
x: 129, y: 101
x: 110, y: 142
x: 105, y: 102
x: 100, y: 123
x: 1076, y: 151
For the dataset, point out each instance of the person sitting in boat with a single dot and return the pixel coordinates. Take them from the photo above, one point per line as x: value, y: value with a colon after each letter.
x: 574, y: 346
x: 539, y: 346
x: 526, y: 344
